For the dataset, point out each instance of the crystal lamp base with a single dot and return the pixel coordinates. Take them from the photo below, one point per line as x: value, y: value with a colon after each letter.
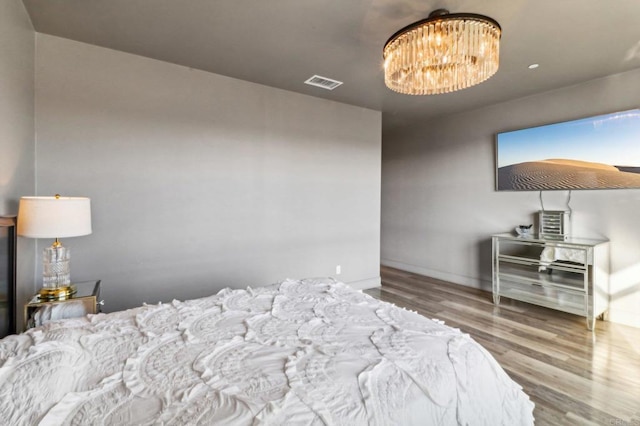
x: 56, y: 272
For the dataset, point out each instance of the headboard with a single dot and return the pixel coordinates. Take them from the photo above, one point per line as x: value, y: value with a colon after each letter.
x: 7, y: 275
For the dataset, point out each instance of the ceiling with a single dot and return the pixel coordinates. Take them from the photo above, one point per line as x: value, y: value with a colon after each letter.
x: 281, y: 43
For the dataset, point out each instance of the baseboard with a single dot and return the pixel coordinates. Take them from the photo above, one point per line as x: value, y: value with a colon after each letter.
x: 620, y: 316
x: 444, y: 276
x: 366, y: 283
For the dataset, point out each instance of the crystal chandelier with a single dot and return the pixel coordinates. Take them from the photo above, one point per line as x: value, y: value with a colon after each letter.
x: 441, y: 54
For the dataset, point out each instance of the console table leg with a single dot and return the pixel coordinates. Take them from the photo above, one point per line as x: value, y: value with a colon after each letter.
x: 496, y: 299
x: 591, y: 323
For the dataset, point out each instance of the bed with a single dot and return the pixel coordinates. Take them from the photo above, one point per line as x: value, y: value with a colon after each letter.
x: 301, y: 352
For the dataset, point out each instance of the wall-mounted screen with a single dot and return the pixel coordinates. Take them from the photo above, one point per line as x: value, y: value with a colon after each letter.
x: 601, y: 152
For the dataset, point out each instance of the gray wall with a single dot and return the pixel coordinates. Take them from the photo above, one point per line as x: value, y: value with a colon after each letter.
x: 200, y: 181
x: 439, y: 206
x: 17, y: 151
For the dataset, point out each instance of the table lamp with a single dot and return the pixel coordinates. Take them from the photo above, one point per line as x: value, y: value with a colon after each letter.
x: 55, y: 217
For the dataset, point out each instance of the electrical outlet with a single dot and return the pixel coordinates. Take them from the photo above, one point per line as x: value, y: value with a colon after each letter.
x: 338, y: 269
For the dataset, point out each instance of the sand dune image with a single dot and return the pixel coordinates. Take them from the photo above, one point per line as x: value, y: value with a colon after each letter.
x: 564, y: 174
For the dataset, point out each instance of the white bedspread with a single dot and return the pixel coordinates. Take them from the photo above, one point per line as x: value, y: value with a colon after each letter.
x: 308, y: 352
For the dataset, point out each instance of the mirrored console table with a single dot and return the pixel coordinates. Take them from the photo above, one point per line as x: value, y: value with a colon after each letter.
x: 570, y: 275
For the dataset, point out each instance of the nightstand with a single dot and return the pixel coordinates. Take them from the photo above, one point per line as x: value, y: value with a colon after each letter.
x: 83, y: 302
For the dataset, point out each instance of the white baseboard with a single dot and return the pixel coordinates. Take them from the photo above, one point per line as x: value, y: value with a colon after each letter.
x: 366, y: 283
x: 624, y: 317
x: 439, y: 275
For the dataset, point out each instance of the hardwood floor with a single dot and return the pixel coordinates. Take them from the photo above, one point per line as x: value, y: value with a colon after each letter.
x: 574, y: 376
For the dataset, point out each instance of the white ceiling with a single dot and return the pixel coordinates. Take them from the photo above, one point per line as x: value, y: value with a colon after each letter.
x: 281, y: 43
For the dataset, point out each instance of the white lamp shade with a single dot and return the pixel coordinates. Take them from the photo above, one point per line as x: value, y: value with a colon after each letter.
x: 54, y: 217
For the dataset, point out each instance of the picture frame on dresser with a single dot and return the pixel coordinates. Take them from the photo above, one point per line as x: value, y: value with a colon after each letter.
x: 8, y: 241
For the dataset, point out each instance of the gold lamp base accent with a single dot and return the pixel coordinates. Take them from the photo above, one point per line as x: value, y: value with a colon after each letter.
x: 57, y: 293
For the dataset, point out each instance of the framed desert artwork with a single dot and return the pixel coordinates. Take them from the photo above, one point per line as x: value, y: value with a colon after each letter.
x: 601, y: 152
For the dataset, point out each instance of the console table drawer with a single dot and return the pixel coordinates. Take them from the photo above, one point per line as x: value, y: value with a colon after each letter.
x: 547, y: 296
x: 563, y: 277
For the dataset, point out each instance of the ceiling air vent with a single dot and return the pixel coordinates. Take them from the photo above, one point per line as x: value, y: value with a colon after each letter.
x: 324, y: 82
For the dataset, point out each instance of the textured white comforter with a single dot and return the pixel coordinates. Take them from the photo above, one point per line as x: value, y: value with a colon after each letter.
x: 308, y: 352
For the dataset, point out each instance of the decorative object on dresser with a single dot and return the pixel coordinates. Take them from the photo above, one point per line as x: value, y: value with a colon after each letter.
x: 84, y: 300
x: 55, y: 217
x: 554, y: 224
x: 570, y: 275
x: 7, y: 275
x: 524, y: 230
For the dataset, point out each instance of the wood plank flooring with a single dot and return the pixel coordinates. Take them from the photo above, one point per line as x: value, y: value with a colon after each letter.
x: 574, y: 376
